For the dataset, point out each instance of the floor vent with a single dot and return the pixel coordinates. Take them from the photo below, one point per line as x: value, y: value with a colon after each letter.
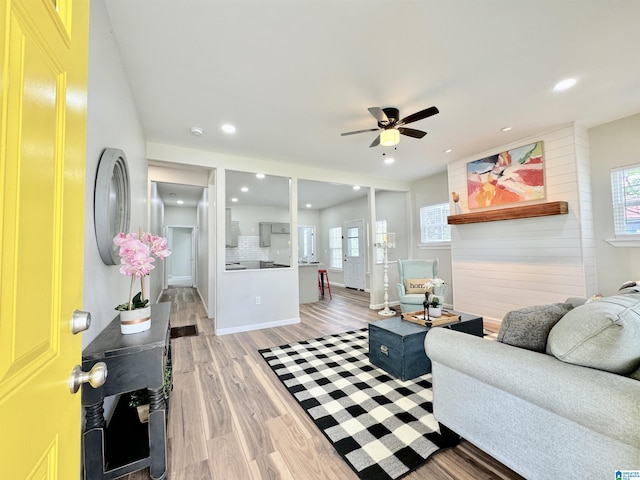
x: 187, y: 331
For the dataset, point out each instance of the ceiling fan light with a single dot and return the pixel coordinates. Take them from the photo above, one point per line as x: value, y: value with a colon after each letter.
x: 389, y: 137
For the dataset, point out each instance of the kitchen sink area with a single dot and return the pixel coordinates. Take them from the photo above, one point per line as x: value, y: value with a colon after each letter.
x: 271, y: 264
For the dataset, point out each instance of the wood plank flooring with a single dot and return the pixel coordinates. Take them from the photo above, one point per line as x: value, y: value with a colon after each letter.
x: 231, y: 418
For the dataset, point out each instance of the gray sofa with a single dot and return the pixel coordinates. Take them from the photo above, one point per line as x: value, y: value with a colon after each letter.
x: 544, y: 413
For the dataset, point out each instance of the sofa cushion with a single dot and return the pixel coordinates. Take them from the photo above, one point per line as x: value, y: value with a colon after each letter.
x: 636, y: 375
x: 604, y: 334
x: 529, y: 327
x: 417, y: 285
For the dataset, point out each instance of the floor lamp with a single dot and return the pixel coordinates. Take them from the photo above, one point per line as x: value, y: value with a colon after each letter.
x: 386, y: 241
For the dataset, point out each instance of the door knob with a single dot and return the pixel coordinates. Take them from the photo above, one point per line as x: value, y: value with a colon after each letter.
x: 80, y: 321
x: 94, y: 377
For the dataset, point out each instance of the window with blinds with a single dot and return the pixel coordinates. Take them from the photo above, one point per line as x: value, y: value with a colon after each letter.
x: 625, y: 192
x: 335, y: 247
x: 433, y: 224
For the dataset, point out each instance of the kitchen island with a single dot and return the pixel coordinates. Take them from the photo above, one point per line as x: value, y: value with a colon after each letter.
x: 308, y: 282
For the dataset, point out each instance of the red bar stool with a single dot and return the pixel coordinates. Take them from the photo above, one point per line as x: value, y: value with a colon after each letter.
x: 321, y: 275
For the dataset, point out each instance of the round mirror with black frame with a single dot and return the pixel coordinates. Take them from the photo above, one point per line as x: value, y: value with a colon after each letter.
x: 111, y: 202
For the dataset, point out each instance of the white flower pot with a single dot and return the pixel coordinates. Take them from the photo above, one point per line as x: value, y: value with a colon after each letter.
x: 135, y: 321
x: 435, y: 312
x: 143, y: 413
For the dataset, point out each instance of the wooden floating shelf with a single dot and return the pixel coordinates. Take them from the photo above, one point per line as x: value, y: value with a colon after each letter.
x: 527, y: 211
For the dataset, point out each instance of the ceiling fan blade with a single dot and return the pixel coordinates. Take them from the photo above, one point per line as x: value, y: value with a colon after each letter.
x: 427, y: 112
x: 360, y: 131
x: 411, y: 132
x: 379, y: 115
x: 376, y: 142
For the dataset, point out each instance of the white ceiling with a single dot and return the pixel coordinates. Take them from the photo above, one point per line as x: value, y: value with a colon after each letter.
x: 270, y: 191
x: 291, y: 75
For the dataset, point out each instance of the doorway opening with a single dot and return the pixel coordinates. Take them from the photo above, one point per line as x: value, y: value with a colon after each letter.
x: 181, y: 264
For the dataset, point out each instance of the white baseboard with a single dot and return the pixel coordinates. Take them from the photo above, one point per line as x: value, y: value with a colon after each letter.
x: 256, y: 326
x: 380, y: 306
x: 204, y: 304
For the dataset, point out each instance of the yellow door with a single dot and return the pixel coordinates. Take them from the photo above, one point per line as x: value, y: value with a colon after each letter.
x: 43, y: 57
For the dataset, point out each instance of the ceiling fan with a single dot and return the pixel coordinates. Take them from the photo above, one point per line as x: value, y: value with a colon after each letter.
x: 390, y: 126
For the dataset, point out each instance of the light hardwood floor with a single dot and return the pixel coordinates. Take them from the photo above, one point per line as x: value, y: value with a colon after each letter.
x: 231, y: 418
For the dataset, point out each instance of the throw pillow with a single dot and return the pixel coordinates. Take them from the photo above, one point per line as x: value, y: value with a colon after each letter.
x: 417, y: 285
x: 529, y: 327
x: 603, y: 335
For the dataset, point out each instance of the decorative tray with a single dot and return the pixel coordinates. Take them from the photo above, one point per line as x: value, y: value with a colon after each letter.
x: 418, y: 318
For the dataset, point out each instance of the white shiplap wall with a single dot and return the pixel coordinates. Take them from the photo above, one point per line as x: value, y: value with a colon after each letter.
x: 505, y: 265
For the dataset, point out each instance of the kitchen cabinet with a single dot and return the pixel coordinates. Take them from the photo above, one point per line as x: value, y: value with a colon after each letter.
x: 235, y: 233
x: 272, y: 228
x: 227, y: 227
x: 265, y: 234
x: 279, y: 228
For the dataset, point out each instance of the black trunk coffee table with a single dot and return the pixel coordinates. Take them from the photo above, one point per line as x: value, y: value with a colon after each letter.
x: 397, y: 346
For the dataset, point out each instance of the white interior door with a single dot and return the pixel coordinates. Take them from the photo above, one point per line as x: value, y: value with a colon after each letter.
x: 353, y: 248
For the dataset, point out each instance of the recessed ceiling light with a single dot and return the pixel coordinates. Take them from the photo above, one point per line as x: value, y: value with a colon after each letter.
x: 389, y: 160
x: 308, y: 205
x: 356, y: 187
x: 260, y: 175
x: 234, y: 199
x: 180, y: 202
x: 448, y: 150
x: 505, y: 129
x: 196, y: 131
x: 228, y: 128
x: 244, y: 189
x: 564, y: 84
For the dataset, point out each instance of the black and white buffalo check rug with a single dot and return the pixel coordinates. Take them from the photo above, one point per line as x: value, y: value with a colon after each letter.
x: 382, y: 426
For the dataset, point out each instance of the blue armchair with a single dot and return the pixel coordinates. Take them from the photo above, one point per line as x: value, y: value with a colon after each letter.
x: 416, y: 269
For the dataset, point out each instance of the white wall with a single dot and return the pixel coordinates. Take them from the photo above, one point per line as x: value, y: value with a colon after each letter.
x: 505, y: 265
x: 337, y: 216
x: 156, y: 223
x: 249, y: 299
x: 112, y: 121
x: 251, y: 216
x: 179, y: 262
x: 613, y: 144
x: 424, y: 192
x: 392, y: 207
x: 202, y: 253
x: 183, y: 216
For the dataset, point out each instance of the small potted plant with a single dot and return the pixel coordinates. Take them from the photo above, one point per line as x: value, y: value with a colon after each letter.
x: 136, y: 261
x: 432, y: 306
x: 140, y: 398
x: 435, y: 306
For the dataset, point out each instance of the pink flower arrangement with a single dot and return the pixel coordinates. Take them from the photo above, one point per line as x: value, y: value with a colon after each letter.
x: 136, y: 261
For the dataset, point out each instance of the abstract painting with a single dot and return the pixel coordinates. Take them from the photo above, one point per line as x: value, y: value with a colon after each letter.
x: 514, y: 176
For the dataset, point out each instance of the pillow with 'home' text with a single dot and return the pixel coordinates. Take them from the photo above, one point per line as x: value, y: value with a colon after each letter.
x: 417, y: 285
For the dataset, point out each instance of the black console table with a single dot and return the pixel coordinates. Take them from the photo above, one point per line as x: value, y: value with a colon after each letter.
x: 134, y: 362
